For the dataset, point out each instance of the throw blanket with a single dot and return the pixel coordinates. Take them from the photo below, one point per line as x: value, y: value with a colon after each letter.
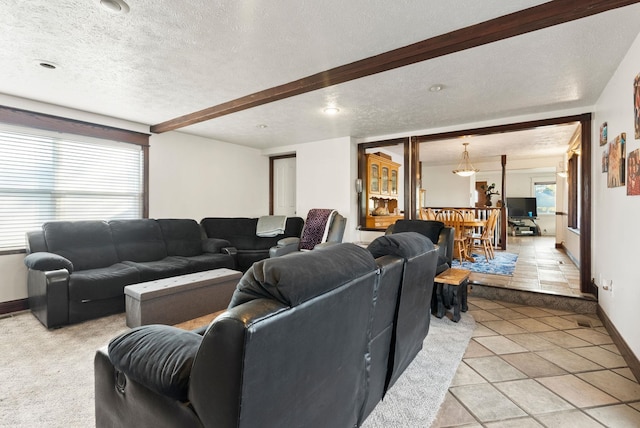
x: 271, y: 225
x: 316, y: 227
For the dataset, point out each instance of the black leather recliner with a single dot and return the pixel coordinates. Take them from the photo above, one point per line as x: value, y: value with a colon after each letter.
x: 313, y: 339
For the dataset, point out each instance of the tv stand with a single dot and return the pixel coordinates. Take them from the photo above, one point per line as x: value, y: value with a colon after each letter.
x: 521, y: 226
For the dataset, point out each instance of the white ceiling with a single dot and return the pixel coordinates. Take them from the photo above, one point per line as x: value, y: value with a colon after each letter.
x: 166, y: 59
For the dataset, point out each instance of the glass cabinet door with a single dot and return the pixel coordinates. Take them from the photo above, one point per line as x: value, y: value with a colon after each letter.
x: 385, y: 180
x: 374, y: 178
x: 394, y: 181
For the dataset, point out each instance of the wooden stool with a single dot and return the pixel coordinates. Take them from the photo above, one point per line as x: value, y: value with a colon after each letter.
x: 457, y: 279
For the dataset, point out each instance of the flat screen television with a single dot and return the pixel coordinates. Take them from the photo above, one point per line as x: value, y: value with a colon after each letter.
x: 522, y: 207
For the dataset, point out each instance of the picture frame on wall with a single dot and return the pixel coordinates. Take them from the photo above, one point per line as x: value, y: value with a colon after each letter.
x: 616, y: 167
x: 636, y: 105
x: 605, y: 160
x: 633, y: 173
x: 603, y: 134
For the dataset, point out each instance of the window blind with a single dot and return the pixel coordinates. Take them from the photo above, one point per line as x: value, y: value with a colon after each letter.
x: 47, y: 176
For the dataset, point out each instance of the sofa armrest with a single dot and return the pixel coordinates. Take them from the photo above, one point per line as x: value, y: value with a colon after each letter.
x: 47, y: 261
x: 157, y: 356
x: 49, y: 296
x: 285, y: 246
x: 214, y: 245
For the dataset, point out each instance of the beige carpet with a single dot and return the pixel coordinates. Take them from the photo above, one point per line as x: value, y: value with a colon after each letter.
x: 46, y: 376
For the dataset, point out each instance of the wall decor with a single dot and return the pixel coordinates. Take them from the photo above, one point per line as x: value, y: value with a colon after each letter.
x: 633, y: 173
x: 603, y: 134
x: 636, y: 105
x: 616, y: 173
x: 605, y: 160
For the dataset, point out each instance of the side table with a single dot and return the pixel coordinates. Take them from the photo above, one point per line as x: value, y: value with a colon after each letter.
x: 457, y: 279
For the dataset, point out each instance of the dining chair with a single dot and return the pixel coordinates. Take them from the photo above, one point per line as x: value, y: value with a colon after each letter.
x: 484, y: 240
x: 427, y: 214
x: 454, y: 218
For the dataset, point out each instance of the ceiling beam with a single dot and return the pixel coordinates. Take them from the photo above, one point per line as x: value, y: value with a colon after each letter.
x: 517, y: 23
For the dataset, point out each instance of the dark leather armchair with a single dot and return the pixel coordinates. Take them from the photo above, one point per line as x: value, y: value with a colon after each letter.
x: 436, y: 231
x: 335, y: 225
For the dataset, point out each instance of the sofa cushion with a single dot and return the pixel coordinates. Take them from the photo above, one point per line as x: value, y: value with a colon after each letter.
x: 157, y: 356
x: 102, y: 283
x: 86, y: 244
x: 208, y: 261
x: 138, y: 240
x: 298, y: 277
x: 405, y: 245
x: 182, y: 237
x: 158, y: 269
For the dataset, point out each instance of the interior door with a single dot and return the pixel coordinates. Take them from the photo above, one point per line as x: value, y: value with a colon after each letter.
x: 284, y: 186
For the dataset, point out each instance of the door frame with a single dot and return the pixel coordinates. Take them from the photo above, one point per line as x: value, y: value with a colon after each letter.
x: 586, y: 284
x: 271, y: 178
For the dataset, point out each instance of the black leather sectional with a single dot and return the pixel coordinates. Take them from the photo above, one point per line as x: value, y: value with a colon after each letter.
x: 77, y: 270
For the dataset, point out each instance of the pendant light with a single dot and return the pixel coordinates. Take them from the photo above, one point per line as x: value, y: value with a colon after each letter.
x: 465, y: 169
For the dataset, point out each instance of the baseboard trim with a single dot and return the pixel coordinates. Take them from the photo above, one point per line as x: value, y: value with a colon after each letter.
x: 628, y: 355
x: 14, y: 306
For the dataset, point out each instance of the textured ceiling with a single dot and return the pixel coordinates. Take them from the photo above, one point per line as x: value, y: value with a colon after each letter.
x: 166, y: 59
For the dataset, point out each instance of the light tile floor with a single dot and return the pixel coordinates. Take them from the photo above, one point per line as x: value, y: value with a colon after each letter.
x: 536, y: 367
x: 540, y: 267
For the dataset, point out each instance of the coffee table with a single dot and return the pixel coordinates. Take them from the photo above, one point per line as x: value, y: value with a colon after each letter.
x: 180, y: 298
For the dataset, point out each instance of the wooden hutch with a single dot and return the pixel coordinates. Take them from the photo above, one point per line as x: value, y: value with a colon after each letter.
x: 382, y: 178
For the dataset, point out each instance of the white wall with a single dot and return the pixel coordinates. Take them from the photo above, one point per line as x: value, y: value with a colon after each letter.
x: 615, y: 230
x: 445, y: 189
x: 194, y: 177
x: 325, y: 179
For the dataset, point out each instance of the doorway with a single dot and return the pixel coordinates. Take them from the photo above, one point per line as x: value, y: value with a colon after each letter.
x: 583, y: 229
x: 282, y: 185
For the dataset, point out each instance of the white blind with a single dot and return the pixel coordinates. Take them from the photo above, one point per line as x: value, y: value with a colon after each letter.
x: 48, y: 176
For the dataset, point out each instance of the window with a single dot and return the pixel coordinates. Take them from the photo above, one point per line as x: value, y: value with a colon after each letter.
x: 545, y: 194
x: 48, y: 176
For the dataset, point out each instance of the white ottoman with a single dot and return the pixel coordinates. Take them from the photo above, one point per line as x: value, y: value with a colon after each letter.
x: 179, y: 298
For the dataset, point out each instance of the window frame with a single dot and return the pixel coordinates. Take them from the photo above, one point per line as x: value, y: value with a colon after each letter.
x: 30, y: 119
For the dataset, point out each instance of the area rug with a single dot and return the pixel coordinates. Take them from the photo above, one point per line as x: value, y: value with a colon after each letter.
x: 503, y: 264
x: 47, y: 375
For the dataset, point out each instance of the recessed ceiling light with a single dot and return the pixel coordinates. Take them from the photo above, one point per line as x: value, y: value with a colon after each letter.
x: 262, y: 126
x: 114, y: 6
x: 46, y: 64
x: 436, y: 88
x: 331, y: 110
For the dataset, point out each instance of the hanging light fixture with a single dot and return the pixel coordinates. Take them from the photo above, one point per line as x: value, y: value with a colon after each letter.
x: 465, y: 169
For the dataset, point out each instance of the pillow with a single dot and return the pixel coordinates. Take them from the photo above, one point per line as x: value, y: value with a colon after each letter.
x: 47, y: 261
x: 157, y: 356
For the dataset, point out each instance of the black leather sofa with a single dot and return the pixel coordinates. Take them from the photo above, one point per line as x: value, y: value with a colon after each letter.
x: 77, y: 270
x: 241, y: 234
x: 313, y: 339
